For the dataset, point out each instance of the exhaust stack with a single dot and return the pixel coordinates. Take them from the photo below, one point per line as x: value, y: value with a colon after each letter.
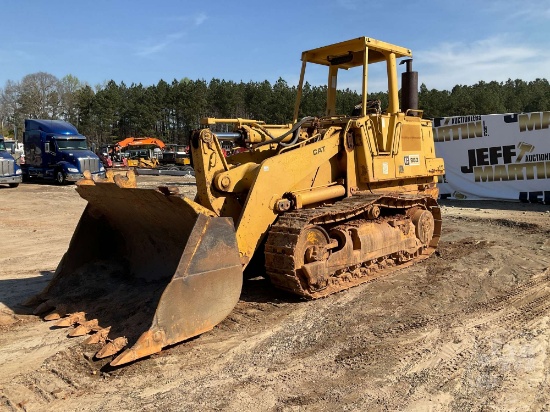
x: 409, y: 88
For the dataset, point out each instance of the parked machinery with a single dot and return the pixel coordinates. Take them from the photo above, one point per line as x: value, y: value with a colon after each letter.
x: 331, y: 202
x: 175, y: 157
x: 10, y: 172
x: 140, y: 152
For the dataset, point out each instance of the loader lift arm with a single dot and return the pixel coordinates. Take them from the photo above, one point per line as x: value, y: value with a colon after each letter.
x: 241, y: 191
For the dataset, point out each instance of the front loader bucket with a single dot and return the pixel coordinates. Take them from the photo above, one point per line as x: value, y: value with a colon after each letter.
x: 147, y: 268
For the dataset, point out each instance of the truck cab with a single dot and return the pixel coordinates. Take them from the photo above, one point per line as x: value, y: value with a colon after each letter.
x: 54, y: 149
x: 10, y: 172
x: 16, y: 149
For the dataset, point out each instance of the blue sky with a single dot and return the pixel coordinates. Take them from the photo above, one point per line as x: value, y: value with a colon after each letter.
x: 453, y: 42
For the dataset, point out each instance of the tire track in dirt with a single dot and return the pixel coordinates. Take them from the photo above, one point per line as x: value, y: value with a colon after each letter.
x: 466, y: 329
x: 457, y: 337
x: 443, y: 344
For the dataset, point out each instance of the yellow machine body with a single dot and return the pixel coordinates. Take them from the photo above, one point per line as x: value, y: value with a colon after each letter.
x: 330, y: 201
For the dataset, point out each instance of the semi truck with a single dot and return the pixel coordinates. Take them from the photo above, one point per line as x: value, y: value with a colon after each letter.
x: 10, y: 172
x: 16, y: 149
x: 54, y: 149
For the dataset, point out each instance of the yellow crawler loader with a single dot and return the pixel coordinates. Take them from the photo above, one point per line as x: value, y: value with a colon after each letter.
x: 331, y: 202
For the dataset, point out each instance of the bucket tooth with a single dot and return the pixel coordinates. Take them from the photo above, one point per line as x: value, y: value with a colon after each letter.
x: 84, y: 328
x: 87, y: 179
x: 44, y: 307
x: 127, y: 181
x: 59, y: 312
x: 111, y: 173
x: 148, y: 343
x: 70, y: 320
x: 187, y: 281
x: 169, y: 190
x: 99, y: 337
x: 112, y: 347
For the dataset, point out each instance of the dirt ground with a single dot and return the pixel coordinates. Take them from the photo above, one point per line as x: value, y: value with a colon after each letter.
x: 467, y: 329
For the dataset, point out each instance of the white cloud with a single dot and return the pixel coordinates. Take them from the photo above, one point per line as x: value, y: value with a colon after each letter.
x: 496, y: 58
x: 159, y: 45
x: 175, y: 36
x: 153, y: 49
x: 149, y: 50
x: 192, y: 19
x: 527, y: 10
x: 199, y: 19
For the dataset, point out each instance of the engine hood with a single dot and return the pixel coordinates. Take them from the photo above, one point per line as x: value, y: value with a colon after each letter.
x: 71, y: 155
x: 5, y: 155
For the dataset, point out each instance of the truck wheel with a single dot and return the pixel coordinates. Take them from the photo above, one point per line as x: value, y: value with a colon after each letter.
x: 14, y: 184
x: 60, y: 177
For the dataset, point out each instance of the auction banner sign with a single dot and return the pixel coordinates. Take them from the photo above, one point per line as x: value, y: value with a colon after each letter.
x: 496, y: 156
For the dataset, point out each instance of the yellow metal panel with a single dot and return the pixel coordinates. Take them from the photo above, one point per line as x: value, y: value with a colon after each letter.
x: 411, y: 137
x: 435, y: 166
x: 364, y: 150
x: 277, y: 176
x: 383, y: 168
x: 377, y: 52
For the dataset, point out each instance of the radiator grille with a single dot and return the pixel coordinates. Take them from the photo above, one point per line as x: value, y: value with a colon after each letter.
x: 7, y: 167
x: 88, y: 163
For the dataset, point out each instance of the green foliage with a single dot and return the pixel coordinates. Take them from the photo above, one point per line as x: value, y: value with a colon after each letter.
x: 512, y: 96
x: 169, y: 111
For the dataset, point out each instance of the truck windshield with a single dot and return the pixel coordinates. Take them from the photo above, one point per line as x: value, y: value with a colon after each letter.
x: 2, y: 147
x: 66, y: 144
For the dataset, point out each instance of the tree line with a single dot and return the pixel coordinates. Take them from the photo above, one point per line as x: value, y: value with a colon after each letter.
x: 110, y: 112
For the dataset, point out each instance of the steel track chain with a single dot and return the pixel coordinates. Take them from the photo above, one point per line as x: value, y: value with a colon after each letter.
x: 284, y: 235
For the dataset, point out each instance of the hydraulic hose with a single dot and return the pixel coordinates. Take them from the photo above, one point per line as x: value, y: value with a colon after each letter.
x: 296, y: 127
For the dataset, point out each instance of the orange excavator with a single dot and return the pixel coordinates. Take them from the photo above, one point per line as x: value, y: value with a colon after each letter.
x: 139, y: 153
x: 139, y: 141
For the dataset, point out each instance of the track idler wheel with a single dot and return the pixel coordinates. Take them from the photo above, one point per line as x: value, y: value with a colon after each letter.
x: 424, y: 225
x: 313, y: 248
